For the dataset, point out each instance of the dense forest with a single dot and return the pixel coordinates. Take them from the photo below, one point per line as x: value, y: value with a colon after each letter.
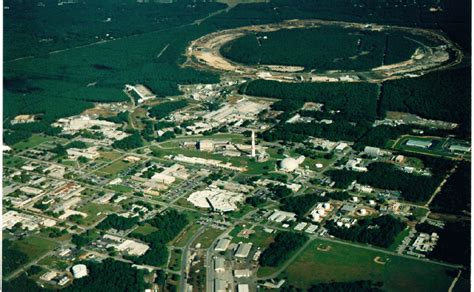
x: 67, y: 82
x: 162, y: 110
x: 415, y: 188
x: 131, y: 142
x: 455, y: 195
x: 169, y: 225
x: 454, y: 243
x: 281, y: 249
x: 454, y: 18
x: 444, y: 95
x: 70, y: 81
x: 109, y: 275
x: 300, y: 205
x: 12, y: 258
x: 322, y: 48
x: 383, y: 235
x: 355, y: 101
x: 21, y: 283
x: 117, y: 222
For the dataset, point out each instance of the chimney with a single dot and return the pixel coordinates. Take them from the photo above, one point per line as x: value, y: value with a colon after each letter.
x: 253, y: 143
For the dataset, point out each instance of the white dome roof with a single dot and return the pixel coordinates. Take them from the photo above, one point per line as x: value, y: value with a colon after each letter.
x: 289, y: 164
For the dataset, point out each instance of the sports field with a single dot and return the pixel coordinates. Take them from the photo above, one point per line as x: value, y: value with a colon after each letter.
x: 324, y: 262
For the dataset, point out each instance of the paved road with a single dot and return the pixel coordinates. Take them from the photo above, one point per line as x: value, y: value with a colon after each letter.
x: 184, y: 259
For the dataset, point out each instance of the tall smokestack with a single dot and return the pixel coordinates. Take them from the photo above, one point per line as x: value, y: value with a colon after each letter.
x: 253, y: 143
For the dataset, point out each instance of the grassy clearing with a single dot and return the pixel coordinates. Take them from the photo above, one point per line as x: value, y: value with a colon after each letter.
x: 145, y: 229
x: 208, y: 237
x: 110, y: 155
x: 242, y: 211
x: 420, y: 212
x: 120, y: 188
x: 398, y: 240
x: 53, y: 262
x: 343, y: 263
x: 186, y: 235
x: 32, y: 142
x: 13, y: 161
x: 115, y: 167
x: 95, y: 212
x: 175, y: 260
x: 35, y: 246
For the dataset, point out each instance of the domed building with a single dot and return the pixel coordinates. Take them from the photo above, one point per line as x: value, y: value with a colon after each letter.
x: 290, y: 164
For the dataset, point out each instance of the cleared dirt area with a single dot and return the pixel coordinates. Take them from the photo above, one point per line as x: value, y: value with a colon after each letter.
x: 204, y: 53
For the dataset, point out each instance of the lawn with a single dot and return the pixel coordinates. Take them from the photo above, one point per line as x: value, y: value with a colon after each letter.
x: 243, y: 210
x: 343, y: 263
x: 110, y: 155
x: 53, y: 262
x: 208, y: 237
x: 120, y: 188
x: 95, y: 212
x: 35, y: 246
x: 115, y: 167
x: 145, y: 229
x: 32, y: 142
x: 13, y: 161
x: 175, y: 260
x: 184, y: 237
x: 398, y: 239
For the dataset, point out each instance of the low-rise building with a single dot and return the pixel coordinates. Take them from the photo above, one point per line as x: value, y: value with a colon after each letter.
x: 243, y: 250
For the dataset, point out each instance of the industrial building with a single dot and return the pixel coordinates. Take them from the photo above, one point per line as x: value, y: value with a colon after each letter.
x: 425, y: 144
x: 142, y: 91
x: 222, y: 245
x: 243, y: 273
x: 243, y: 250
x: 280, y: 216
x: 219, y: 264
x: 79, y: 271
x: 90, y: 153
x: 217, y: 199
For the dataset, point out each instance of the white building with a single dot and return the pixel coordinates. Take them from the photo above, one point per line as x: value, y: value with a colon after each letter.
x: 223, y: 244
x: 79, y: 271
x: 219, y: 264
x: 163, y: 178
x: 243, y: 250
x: 220, y: 200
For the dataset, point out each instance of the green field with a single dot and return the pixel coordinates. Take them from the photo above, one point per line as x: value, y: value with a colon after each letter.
x: 54, y: 262
x: 207, y: 237
x: 120, y: 188
x: 260, y: 238
x: 110, y: 155
x: 175, y: 261
x: 185, y: 236
x: 114, y: 168
x: 13, y: 161
x: 35, y: 246
x: 144, y: 230
x: 32, y: 142
x: 398, y: 240
x: 95, y: 212
x: 344, y: 263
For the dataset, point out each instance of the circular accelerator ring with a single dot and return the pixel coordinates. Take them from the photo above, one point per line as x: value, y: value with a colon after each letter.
x: 204, y: 53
